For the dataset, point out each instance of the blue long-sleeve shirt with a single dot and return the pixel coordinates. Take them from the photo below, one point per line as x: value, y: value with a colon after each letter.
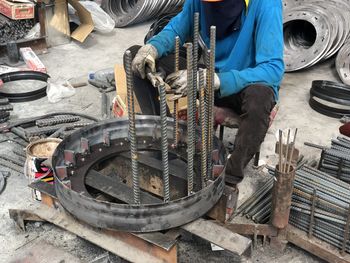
x: 251, y: 55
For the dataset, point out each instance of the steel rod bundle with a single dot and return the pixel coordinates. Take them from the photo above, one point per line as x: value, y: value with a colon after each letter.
x: 336, y: 160
x: 127, y: 12
x: 12, y: 30
x: 320, y: 206
x: 314, y: 30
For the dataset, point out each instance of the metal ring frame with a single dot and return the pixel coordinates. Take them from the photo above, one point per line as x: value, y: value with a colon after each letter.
x: 110, y: 138
x: 342, y: 63
x: 127, y: 12
x: 329, y: 20
x: 25, y: 75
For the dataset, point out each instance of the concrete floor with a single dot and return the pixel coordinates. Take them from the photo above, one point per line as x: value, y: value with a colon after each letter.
x: 103, y: 51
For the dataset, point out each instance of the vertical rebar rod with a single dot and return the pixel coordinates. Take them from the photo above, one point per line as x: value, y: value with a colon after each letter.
x: 203, y: 123
x: 210, y: 89
x: 164, y: 135
x: 176, y: 102
x: 195, y: 63
x: 132, y: 128
x: 190, y: 122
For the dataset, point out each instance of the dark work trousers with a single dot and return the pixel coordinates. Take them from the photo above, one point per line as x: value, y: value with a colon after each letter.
x: 254, y: 105
x: 146, y: 94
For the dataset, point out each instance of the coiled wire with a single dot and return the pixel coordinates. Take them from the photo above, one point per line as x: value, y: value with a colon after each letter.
x: 127, y: 12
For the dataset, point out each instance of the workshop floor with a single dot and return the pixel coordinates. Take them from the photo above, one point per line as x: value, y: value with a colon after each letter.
x: 47, y: 243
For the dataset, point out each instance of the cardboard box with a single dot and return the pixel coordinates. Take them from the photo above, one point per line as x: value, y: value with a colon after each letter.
x: 57, y: 22
x: 31, y: 59
x: 17, y: 11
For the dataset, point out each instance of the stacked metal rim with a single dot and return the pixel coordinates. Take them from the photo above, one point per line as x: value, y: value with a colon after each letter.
x: 127, y: 12
x: 336, y: 160
x: 314, y: 31
x: 342, y: 63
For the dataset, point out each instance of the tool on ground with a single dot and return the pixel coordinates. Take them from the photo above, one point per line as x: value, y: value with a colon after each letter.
x: 102, y: 86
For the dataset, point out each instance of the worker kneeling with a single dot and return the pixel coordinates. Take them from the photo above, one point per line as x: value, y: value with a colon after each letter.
x: 249, y: 66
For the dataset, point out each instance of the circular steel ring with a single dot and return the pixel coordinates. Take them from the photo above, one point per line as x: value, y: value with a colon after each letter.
x: 127, y: 12
x: 297, y: 58
x: 126, y: 217
x: 342, y: 63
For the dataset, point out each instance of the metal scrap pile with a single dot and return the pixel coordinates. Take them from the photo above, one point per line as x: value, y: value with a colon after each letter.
x: 127, y: 12
x: 12, y: 30
x: 313, y: 31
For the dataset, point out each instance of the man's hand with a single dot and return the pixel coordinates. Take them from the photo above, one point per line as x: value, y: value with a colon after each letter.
x: 145, y: 58
x: 178, y: 81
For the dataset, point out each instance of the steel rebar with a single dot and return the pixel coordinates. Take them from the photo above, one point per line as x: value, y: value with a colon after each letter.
x: 176, y: 102
x: 132, y: 128
x: 203, y: 123
x: 210, y: 89
x: 190, y: 121
x: 164, y: 135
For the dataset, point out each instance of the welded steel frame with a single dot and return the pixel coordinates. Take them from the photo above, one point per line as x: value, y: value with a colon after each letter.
x: 71, y: 164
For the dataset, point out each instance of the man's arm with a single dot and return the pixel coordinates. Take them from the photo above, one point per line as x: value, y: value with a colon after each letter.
x: 269, y: 68
x: 181, y: 25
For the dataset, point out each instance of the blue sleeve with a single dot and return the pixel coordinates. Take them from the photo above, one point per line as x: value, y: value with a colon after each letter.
x: 181, y: 25
x: 269, y: 67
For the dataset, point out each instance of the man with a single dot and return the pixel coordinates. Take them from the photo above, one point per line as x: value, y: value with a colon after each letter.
x: 249, y: 64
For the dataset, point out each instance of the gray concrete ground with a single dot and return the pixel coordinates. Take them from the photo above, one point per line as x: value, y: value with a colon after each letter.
x: 103, y: 51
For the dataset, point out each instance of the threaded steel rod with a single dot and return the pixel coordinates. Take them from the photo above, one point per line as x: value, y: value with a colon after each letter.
x: 176, y: 102
x: 164, y: 135
x: 203, y: 122
x: 132, y: 128
x: 190, y: 117
x: 210, y: 86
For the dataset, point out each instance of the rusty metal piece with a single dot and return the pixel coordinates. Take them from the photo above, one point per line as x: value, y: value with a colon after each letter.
x: 282, y: 197
x: 84, y: 146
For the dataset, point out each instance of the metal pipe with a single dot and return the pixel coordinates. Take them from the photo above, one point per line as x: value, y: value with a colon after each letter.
x: 132, y: 128
x: 190, y: 121
x: 164, y: 135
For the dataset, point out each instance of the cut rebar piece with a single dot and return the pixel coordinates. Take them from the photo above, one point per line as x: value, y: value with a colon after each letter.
x: 132, y: 128
x: 57, y: 120
x: 190, y: 119
x: 176, y: 102
x: 203, y: 123
x: 164, y: 135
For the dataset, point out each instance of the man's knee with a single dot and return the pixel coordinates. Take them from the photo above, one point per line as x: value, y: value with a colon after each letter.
x: 258, y: 101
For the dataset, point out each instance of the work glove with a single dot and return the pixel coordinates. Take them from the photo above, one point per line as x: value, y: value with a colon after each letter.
x: 178, y: 81
x: 145, y: 58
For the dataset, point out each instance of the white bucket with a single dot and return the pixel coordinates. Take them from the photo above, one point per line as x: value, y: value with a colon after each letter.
x: 37, y: 152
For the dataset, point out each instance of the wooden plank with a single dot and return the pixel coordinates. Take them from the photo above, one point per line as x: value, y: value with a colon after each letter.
x: 219, y: 235
x: 315, y: 246
x: 251, y: 229
x: 123, y: 244
x: 116, y: 189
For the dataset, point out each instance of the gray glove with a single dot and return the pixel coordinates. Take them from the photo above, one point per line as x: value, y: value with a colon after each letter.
x: 145, y: 57
x: 178, y: 81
